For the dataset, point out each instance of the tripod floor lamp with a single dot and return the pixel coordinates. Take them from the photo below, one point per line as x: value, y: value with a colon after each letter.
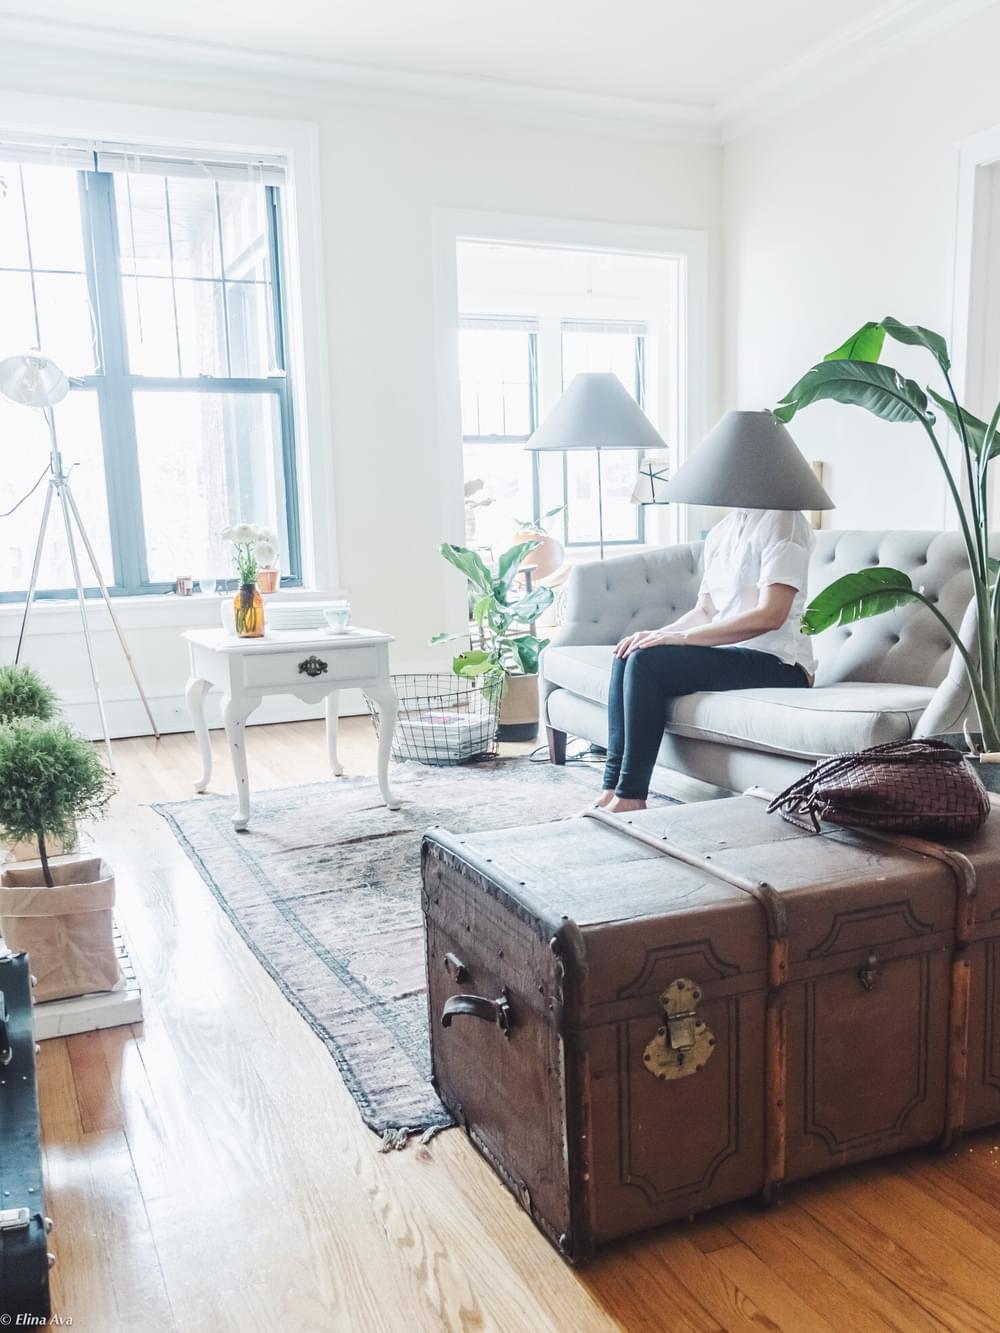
x: 34, y: 381
x: 597, y: 412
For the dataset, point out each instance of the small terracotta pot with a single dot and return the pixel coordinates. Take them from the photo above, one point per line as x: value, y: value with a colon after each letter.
x: 268, y: 580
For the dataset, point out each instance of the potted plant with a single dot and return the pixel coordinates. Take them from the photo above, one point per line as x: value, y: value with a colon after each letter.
x: 56, y: 908
x: 504, y: 656
x: 23, y: 693
x: 248, y: 605
x: 854, y: 374
x: 266, y: 551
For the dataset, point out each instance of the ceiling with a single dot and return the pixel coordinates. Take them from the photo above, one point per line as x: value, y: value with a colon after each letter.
x: 696, y: 52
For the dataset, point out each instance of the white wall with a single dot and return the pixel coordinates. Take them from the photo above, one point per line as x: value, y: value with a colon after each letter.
x: 842, y: 211
x: 384, y: 169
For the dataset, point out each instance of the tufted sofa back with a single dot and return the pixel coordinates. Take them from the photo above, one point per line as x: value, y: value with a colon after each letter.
x: 607, y: 600
x: 906, y: 646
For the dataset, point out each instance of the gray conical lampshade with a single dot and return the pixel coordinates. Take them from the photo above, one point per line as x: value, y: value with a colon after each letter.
x: 32, y: 380
x: 748, y: 461
x: 596, y: 412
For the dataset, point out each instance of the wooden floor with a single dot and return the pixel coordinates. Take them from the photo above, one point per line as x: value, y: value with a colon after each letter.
x: 208, y: 1171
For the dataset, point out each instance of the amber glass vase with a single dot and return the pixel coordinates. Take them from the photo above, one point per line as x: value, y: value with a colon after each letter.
x: 249, y: 608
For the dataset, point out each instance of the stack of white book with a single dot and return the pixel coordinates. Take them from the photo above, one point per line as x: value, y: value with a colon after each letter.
x: 444, y: 737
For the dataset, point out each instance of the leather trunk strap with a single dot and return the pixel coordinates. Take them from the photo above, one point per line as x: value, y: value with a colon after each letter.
x: 776, y: 1025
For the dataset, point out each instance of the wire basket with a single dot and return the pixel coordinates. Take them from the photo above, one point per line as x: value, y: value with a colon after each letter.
x: 443, y: 719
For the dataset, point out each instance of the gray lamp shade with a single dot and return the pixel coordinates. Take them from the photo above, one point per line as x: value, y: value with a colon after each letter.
x: 748, y: 461
x: 32, y: 380
x: 596, y: 412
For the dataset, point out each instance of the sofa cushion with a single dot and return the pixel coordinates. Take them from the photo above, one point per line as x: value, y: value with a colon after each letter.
x: 810, y: 724
x: 829, y: 719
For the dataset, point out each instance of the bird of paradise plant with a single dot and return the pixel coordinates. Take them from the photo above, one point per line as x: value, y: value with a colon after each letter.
x: 854, y: 374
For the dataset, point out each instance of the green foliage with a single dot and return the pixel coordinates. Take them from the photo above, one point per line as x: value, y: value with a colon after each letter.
x: 502, y: 617
x: 23, y: 693
x: 49, y: 777
x: 870, y: 592
x: 853, y: 374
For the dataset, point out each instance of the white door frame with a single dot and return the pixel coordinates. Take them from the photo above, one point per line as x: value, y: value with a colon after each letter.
x: 453, y: 225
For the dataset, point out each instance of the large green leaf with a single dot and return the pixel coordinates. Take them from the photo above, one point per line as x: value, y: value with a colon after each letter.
x: 470, y: 564
x: 915, y: 335
x: 869, y: 592
x: 529, y: 608
x: 508, y: 565
x: 528, y: 648
x: 473, y: 663
x: 865, y: 345
x: 975, y: 429
x: 879, y: 389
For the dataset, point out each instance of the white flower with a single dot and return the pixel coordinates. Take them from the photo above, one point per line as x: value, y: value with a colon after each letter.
x: 266, y: 552
x: 243, y: 532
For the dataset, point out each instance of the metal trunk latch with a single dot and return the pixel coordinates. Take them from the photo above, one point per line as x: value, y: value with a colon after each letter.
x: 683, y: 1045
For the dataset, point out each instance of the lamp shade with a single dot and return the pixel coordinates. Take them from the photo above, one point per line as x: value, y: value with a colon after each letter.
x: 32, y: 380
x: 596, y: 412
x: 748, y: 461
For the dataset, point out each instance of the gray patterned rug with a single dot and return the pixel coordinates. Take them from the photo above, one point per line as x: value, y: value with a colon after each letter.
x: 324, y: 887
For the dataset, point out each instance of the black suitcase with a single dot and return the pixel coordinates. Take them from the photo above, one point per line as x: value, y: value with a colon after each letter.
x: 24, y: 1260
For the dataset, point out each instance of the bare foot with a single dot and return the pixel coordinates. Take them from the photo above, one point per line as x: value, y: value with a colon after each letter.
x: 624, y: 805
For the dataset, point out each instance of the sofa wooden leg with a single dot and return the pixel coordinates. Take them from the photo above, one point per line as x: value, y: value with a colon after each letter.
x: 557, y: 745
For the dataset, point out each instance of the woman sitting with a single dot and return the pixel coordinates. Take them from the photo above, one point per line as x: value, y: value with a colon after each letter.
x: 742, y: 634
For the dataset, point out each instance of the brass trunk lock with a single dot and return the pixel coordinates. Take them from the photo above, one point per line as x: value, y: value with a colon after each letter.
x: 684, y: 1044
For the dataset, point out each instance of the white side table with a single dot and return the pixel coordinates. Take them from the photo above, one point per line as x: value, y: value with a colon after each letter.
x: 311, y: 666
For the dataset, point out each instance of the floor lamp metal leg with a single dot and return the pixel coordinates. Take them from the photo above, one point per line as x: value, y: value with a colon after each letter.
x: 85, y: 623
x: 111, y: 611
x: 35, y: 566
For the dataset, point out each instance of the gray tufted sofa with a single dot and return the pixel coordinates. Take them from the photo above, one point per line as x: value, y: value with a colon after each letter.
x: 883, y: 679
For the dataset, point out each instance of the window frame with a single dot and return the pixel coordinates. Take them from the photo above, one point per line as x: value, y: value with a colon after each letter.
x: 114, y: 385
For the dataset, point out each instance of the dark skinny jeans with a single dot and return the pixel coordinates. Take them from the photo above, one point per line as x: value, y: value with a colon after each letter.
x: 643, y: 684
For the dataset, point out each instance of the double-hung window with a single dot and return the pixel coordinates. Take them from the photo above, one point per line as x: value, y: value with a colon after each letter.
x: 502, y: 364
x: 155, y: 283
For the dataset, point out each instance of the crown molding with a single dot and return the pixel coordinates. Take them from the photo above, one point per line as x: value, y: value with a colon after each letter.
x: 849, y: 53
x: 74, y: 46
x: 842, y: 57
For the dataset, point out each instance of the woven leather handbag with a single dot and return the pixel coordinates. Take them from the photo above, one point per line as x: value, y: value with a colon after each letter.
x: 924, y: 786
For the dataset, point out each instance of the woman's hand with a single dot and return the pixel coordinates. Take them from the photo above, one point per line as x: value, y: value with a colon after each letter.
x: 648, y: 638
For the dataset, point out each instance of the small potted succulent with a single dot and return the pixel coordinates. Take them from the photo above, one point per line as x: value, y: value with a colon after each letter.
x: 266, y: 551
x: 56, y: 908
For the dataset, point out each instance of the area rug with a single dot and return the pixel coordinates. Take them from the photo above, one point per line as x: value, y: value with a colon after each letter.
x: 324, y: 887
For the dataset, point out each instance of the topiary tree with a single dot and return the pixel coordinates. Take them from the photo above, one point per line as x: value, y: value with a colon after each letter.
x: 23, y: 693
x: 49, y: 777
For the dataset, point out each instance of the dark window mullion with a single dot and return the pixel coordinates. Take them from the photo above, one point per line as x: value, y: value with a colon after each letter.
x: 278, y: 333
x: 121, y: 456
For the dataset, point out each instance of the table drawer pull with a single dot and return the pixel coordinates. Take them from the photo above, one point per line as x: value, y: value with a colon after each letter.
x: 312, y: 666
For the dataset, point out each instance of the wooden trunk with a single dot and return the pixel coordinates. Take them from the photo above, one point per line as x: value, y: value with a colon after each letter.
x: 636, y: 1021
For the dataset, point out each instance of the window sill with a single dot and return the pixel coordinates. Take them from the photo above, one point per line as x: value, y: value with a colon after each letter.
x: 145, y: 612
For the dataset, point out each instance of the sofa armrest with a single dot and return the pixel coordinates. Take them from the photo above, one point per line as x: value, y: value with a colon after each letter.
x: 607, y: 599
x: 952, y: 702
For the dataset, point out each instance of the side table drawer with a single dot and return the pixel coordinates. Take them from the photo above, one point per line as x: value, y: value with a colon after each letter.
x: 309, y: 666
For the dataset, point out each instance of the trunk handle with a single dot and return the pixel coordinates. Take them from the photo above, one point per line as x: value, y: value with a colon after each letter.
x: 477, y: 1006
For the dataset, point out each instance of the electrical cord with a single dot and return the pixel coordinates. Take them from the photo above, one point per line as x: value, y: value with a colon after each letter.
x: 590, y: 754
x: 27, y: 496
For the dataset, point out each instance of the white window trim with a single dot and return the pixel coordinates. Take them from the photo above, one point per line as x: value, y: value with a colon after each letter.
x: 304, y: 302
x: 453, y: 225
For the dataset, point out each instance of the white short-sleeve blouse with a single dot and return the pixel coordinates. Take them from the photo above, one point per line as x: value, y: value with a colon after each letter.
x: 748, y: 550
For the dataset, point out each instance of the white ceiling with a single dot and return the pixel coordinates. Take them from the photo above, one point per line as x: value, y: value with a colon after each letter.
x: 698, y: 52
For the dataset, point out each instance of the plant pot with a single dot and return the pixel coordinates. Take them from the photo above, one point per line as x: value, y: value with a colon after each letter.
x: 268, y: 580
x: 68, y: 929
x: 248, y: 612
x: 28, y: 851
x: 519, y: 710
x: 988, y: 773
x: 547, y: 556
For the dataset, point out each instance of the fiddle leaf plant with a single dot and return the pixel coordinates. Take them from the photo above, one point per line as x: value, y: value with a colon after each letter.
x: 503, y: 617
x: 854, y: 374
